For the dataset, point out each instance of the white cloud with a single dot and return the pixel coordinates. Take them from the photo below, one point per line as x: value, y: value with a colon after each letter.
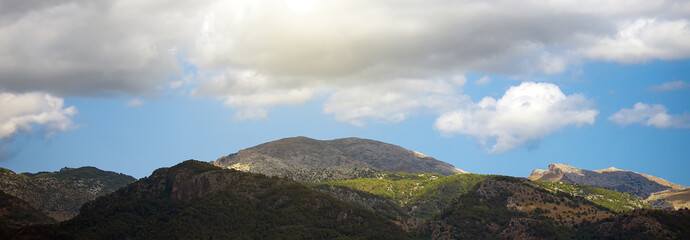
x: 525, y: 114
x: 643, y: 40
x: 483, y: 81
x: 650, y: 115
x: 20, y: 112
x: 669, y: 86
x: 134, y: 103
x: 392, y: 101
x: 298, y: 49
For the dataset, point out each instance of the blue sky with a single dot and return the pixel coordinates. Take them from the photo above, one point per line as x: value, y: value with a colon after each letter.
x: 486, y: 89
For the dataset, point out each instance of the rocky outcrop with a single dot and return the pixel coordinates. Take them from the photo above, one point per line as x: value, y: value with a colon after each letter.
x: 61, y: 194
x: 641, y: 185
x: 293, y: 157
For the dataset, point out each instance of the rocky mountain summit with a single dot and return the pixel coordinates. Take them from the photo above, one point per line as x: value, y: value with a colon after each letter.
x: 306, y: 159
x: 61, y: 194
x: 656, y: 191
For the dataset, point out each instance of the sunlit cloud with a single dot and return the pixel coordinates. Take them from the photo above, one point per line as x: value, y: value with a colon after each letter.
x: 525, y: 114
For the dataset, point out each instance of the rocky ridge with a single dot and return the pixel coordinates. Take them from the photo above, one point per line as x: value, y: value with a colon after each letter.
x: 655, y: 191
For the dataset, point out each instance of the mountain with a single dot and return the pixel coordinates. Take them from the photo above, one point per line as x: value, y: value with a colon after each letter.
x: 655, y: 191
x: 61, y: 194
x: 16, y: 213
x: 412, y: 199
x: 513, y: 208
x: 306, y: 159
x: 637, y: 184
x: 196, y: 200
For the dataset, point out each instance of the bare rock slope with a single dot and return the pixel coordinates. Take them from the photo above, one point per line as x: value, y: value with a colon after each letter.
x: 61, y: 194
x: 657, y: 191
x: 307, y: 159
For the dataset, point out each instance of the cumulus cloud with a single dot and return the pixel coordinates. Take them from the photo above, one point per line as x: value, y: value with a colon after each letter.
x: 297, y: 49
x: 22, y: 112
x: 650, y: 115
x: 523, y: 115
x: 669, y: 86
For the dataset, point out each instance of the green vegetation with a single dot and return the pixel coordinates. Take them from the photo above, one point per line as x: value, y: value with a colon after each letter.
x: 609, y: 199
x: 195, y: 166
x: 254, y: 206
x: 472, y: 216
x: 423, y: 194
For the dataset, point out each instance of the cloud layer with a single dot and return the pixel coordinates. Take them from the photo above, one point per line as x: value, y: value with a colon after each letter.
x: 650, y: 115
x: 258, y: 54
x: 523, y: 115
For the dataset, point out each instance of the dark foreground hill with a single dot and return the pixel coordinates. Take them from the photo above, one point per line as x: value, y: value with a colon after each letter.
x: 16, y: 213
x: 306, y: 159
x: 61, y: 194
x: 196, y: 200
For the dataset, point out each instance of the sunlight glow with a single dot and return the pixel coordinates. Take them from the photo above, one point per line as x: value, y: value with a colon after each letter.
x: 301, y: 6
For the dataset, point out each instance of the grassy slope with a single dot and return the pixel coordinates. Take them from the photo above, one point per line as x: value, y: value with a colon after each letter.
x: 423, y: 194
x: 615, y: 201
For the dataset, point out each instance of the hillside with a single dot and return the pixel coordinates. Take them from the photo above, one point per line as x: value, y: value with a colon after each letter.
x: 16, y: 213
x: 655, y: 191
x: 670, y: 199
x: 196, y: 200
x: 612, y: 200
x: 303, y: 158
x: 61, y: 194
x: 420, y: 196
x: 513, y: 208
x: 637, y: 184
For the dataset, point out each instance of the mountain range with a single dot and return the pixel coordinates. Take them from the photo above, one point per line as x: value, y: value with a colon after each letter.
x: 299, y: 188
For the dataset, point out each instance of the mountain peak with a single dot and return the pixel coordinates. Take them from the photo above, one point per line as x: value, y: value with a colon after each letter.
x: 565, y: 168
x: 286, y: 156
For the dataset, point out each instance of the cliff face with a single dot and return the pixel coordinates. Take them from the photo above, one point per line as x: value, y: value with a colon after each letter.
x: 295, y: 157
x: 61, y: 194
